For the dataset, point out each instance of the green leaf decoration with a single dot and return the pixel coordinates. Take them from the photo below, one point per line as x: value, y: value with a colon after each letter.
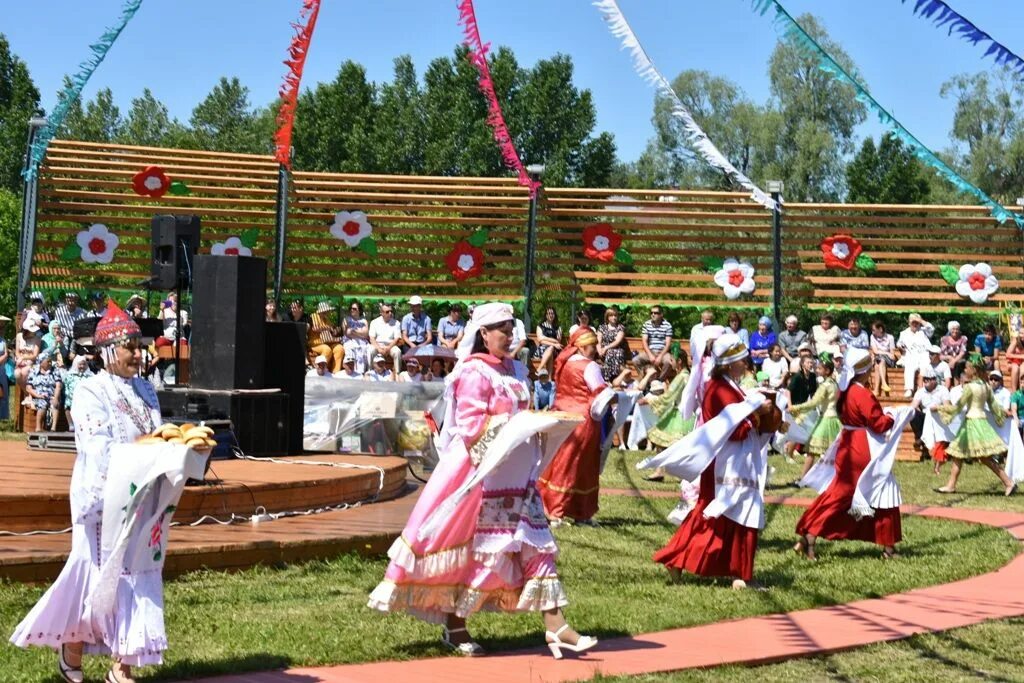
x: 865, y: 263
x: 179, y: 188
x: 71, y: 252
x: 713, y: 262
x: 949, y: 273
x: 249, y: 237
x: 368, y: 245
x: 132, y: 488
x: 478, y: 238
x: 623, y: 256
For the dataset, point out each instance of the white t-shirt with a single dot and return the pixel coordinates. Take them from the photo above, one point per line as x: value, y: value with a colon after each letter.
x: 314, y: 373
x: 776, y: 370
x: 404, y: 376
x: 942, y: 372
x: 344, y: 374
x: 518, y: 333
x: 385, y: 332
x: 927, y: 400
x: 372, y: 376
x: 1002, y: 395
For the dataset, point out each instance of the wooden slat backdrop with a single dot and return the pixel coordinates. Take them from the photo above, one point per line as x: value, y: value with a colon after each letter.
x: 418, y: 219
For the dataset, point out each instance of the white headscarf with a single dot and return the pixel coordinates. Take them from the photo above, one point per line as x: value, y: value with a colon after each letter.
x: 484, y: 315
x: 855, y: 362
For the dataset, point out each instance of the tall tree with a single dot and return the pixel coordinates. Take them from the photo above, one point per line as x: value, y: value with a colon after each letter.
x: 818, y: 116
x: 988, y: 127
x: 400, y: 121
x: 98, y: 121
x: 225, y: 121
x: 10, y: 229
x: 19, y: 100
x: 148, y: 122
x: 334, y: 124
x: 888, y: 174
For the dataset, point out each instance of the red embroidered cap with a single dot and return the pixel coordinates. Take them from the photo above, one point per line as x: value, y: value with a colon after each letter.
x: 115, y: 326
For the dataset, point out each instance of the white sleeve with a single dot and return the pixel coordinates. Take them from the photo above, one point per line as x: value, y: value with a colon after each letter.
x: 593, y: 377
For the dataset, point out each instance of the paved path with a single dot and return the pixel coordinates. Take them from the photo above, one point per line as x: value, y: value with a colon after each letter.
x: 765, y: 639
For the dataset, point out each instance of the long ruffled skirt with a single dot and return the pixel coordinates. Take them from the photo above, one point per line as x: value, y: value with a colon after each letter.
x: 495, y: 552
x: 137, y: 635
x: 824, y: 433
x: 976, y: 439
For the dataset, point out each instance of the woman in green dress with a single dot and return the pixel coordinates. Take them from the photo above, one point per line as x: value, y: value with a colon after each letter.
x: 828, y: 426
x: 671, y: 426
x: 976, y: 439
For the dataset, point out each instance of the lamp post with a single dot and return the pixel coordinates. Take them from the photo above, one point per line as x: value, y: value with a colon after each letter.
x: 535, y: 171
x: 775, y: 187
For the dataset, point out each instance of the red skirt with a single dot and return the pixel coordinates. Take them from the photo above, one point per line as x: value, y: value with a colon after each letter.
x: 710, y: 546
x: 571, y: 485
x: 829, y: 515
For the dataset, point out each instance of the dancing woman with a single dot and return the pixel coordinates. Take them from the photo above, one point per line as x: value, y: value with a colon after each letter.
x: 836, y: 513
x: 719, y: 536
x: 495, y: 551
x: 828, y: 426
x: 976, y: 439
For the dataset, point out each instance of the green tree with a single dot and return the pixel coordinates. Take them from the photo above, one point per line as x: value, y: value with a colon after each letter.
x: 98, y: 121
x: 334, y: 124
x: 399, y: 121
x: 988, y: 127
x: 19, y: 100
x: 888, y: 174
x: 225, y: 121
x: 148, y: 122
x: 818, y: 116
x: 10, y: 229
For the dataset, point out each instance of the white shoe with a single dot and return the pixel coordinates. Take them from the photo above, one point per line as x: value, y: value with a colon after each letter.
x: 555, y: 644
x: 467, y: 649
x: 68, y: 673
x: 908, y: 393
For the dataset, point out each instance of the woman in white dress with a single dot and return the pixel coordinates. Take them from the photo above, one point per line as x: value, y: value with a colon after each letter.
x: 356, y: 332
x: 113, y: 407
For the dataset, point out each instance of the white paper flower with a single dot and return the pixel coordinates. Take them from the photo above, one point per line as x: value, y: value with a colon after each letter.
x: 977, y: 282
x: 841, y: 250
x: 98, y: 244
x: 351, y: 227
x: 601, y: 243
x: 232, y: 246
x: 735, y: 278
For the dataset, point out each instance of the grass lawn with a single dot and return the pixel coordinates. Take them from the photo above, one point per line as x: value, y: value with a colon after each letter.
x: 987, y: 652
x: 315, y: 613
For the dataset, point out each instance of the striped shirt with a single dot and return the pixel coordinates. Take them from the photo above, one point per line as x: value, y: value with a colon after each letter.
x: 66, y: 319
x: 657, y: 335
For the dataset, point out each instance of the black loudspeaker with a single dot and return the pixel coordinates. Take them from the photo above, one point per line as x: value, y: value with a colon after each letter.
x: 285, y: 369
x: 175, y: 242
x: 227, y: 322
x: 259, y: 419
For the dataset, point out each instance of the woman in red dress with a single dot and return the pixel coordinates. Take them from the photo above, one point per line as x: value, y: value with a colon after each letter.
x: 571, y: 483
x: 719, y: 536
x: 829, y: 516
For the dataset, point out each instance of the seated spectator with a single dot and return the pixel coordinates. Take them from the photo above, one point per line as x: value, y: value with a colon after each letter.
x: 707, y: 319
x: 28, y: 344
x: 5, y: 410
x: 582, y: 320
x: 379, y: 371
x: 761, y: 340
x: 68, y: 313
x: 929, y: 398
x: 656, y: 340
x: 438, y: 371
x: 1016, y: 348
x: 549, y: 338
x: 1017, y: 406
x: 611, y: 345
x: 320, y: 368
x: 883, y: 352
x: 805, y: 351
x: 791, y: 338
x: 386, y: 336
x: 953, y: 348
x: 943, y: 375
x: 543, y: 391
x: 450, y: 329
x: 412, y: 372
x: 135, y: 307
x: 356, y: 332
x: 735, y: 323
x: 1000, y: 393
x: 348, y: 369
x: 297, y: 313
x: 79, y: 371
x: 520, y: 349
x: 776, y: 367
x: 270, y: 311
x: 99, y: 305
x: 326, y: 335
x: 825, y: 336
x: 169, y: 315
x: 416, y: 326
x: 854, y: 336
x: 988, y: 344
x: 37, y: 309
x: 43, y: 388
x: 913, y: 344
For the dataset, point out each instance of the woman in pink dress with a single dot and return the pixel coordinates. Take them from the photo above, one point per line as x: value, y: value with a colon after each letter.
x: 495, y: 551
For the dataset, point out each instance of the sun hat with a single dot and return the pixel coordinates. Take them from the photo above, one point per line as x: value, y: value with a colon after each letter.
x: 415, y: 300
x: 319, y: 360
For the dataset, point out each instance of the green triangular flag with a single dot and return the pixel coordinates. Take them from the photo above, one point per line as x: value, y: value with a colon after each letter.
x: 865, y: 263
x: 368, y: 245
x: 623, y: 256
x: 179, y: 188
x: 713, y: 262
x: 249, y: 237
x: 478, y: 238
x: 950, y: 274
x: 71, y: 252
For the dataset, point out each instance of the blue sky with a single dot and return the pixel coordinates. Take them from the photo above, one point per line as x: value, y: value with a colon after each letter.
x: 180, y: 48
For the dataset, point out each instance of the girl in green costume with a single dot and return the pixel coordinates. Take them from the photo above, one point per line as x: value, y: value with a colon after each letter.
x: 828, y: 425
x: 671, y: 426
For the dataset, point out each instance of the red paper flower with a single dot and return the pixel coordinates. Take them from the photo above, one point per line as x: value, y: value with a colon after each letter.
x: 464, y: 261
x: 600, y: 241
x: 840, y: 251
x: 151, y: 182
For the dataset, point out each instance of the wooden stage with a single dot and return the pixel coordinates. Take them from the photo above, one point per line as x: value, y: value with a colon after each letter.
x: 34, y: 496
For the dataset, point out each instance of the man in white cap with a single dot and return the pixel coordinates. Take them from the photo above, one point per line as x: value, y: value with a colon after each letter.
x: 999, y: 392
x: 378, y: 371
x: 931, y: 431
x: 914, y: 343
x: 416, y: 325
x: 320, y: 368
x: 543, y: 391
x: 412, y: 372
x: 348, y: 369
x: 939, y: 367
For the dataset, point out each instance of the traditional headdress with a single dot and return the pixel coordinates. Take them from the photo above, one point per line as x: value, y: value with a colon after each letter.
x: 855, y: 362
x: 115, y: 327
x: 729, y: 348
x: 483, y: 315
x: 583, y: 336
